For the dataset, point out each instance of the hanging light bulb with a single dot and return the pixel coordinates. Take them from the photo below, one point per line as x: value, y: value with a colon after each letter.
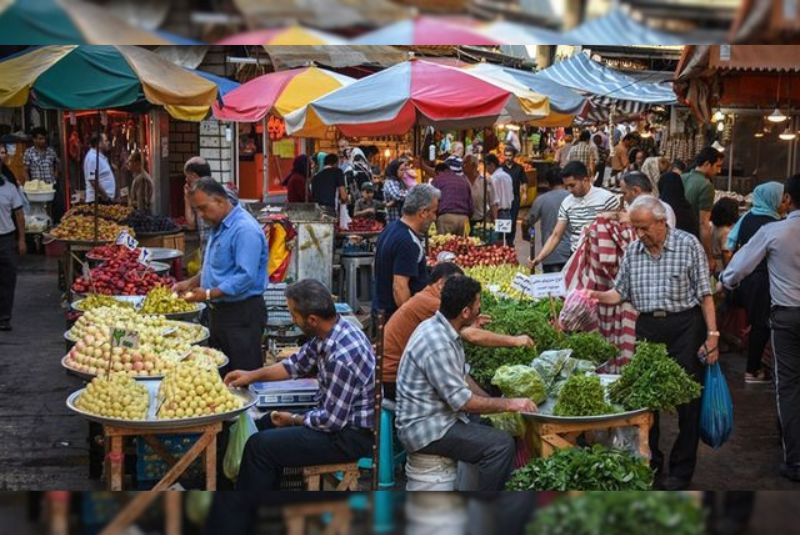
x: 787, y: 135
x: 776, y: 116
x: 759, y: 133
x: 720, y: 126
x: 718, y: 116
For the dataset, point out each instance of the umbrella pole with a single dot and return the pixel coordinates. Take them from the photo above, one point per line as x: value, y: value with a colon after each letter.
x: 264, y: 166
x: 97, y: 174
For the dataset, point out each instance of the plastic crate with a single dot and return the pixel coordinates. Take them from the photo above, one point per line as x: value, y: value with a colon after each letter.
x: 98, y: 508
x: 274, y: 295
x: 150, y: 467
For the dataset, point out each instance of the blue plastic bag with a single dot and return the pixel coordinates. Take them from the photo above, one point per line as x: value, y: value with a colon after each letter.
x: 716, y: 416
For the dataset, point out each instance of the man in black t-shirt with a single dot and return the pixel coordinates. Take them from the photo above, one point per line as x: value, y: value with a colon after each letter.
x: 400, y: 263
x: 328, y: 183
x: 520, y: 179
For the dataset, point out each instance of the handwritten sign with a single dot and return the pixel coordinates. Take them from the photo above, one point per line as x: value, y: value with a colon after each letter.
x: 539, y: 286
x: 145, y: 257
x: 124, y: 338
x: 503, y: 226
x: 123, y: 238
x: 522, y: 283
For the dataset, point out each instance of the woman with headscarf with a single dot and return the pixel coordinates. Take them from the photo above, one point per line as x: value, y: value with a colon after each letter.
x: 296, y: 182
x: 394, y: 189
x: 357, y: 173
x: 753, y: 292
x: 653, y: 167
x: 671, y: 191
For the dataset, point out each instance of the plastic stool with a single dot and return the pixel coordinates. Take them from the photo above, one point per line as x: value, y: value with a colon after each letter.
x: 351, y: 265
x: 386, y: 450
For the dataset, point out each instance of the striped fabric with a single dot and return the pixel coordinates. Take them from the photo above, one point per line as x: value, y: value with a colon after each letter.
x: 618, y: 28
x: 594, y: 266
x: 606, y: 87
x: 580, y: 212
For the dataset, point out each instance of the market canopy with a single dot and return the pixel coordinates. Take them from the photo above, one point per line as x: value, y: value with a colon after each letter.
x: 428, y: 30
x: 521, y: 34
x: 617, y: 28
x: 278, y: 93
x: 415, y: 91
x: 290, y: 35
x: 91, y: 77
x: 565, y: 103
x: 49, y: 22
x: 224, y: 85
x: 609, y: 87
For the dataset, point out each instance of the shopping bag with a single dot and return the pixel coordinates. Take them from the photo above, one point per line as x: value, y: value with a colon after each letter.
x: 344, y: 217
x: 238, y: 435
x: 198, y: 504
x: 716, y: 416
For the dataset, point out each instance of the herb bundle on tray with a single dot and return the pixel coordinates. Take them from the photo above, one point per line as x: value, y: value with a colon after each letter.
x: 582, y: 395
x: 591, y: 346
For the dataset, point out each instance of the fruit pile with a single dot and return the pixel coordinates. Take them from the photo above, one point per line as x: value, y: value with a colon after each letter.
x: 113, y: 252
x: 364, y: 224
x: 156, y: 333
x: 113, y: 212
x: 500, y: 276
x: 117, y: 396
x: 469, y: 255
x: 142, y: 222
x: 451, y: 240
x: 96, y: 301
x: 120, y: 276
x: 188, y: 392
x: 161, y: 300
x: 81, y: 227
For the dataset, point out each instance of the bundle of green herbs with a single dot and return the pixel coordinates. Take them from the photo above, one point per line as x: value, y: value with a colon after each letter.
x: 582, y: 395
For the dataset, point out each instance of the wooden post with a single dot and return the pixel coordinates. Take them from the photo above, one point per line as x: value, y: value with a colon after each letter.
x: 173, y: 514
x: 58, y: 512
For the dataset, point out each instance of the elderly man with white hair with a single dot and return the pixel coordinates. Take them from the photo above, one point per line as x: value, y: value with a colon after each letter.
x: 664, y: 274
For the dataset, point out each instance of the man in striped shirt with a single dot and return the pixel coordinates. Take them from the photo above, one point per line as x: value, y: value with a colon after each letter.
x: 578, y: 210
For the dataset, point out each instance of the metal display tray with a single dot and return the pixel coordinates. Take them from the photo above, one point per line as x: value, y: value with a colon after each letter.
x: 89, y: 376
x: 204, y: 338
x: 137, y: 301
x: 152, y: 423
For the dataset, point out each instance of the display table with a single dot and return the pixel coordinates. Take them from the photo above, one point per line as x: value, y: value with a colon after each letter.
x: 548, y: 436
x: 206, y: 444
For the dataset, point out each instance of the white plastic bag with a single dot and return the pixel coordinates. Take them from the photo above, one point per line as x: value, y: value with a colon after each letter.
x: 344, y: 217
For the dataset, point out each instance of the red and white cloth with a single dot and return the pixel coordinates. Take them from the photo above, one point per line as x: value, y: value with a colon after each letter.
x: 594, y: 266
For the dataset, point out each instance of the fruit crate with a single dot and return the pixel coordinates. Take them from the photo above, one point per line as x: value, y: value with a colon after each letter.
x: 150, y: 468
x: 275, y: 301
x: 97, y: 509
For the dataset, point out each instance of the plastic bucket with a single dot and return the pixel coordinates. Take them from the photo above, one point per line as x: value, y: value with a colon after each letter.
x: 430, y: 472
x: 436, y: 514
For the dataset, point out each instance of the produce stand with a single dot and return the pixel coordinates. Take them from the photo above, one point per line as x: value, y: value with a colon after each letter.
x: 549, y: 433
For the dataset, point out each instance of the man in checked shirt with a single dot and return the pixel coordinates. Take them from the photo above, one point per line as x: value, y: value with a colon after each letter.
x: 664, y: 274
x: 339, y: 429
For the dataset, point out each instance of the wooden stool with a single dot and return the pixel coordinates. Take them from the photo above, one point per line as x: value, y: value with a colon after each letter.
x: 295, y: 517
x: 313, y: 476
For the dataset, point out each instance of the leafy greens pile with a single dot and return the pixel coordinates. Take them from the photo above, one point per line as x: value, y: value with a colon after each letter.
x: 595, y: 468
x: 582, y: 395
x: 591, y: 346
x: 510, y: 422
x: 520, y: 381
x: 653, y: 380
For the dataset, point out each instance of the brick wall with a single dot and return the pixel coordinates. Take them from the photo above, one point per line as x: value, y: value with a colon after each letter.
x: 216, y: 150
x: 184, y: 142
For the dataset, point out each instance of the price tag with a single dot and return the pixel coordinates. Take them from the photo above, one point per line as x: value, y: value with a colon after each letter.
x: 123, y: 238
x: 522, y: 283
x: 145, y: 257
x: 503, y: 226
x: 124, y: 338
x: 547, y: 285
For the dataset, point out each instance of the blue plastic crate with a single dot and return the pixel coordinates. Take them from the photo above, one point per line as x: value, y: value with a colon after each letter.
x: 150, y: 467
x: 98, y: 508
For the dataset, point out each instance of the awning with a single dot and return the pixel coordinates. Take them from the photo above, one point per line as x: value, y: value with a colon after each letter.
x: 283, y: 36
x: 765, y: 58
x: 765, y: 21
x: 93, y: 77
x: 48, y: 22
x: 619, y: 28
x: 521, y: 34
x: 391, y: 101
x: 608, y: 87
x: 329, y: 14
x: 337, y: 57
x: 428, y: 30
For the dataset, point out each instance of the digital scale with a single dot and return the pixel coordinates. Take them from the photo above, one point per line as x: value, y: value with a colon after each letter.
x: 292, y: 393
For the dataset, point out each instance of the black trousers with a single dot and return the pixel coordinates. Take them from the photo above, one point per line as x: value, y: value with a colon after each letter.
x: 237, y: 329
x: 553, y: 268
x: 511, y: 236
x: 786, y: 347
x: 683, y: 333
x: 9, y: 258
x: 268, y: 452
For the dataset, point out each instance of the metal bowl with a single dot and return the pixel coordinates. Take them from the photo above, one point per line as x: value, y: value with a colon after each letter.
x: 198, y: 341
x: 137, y: 301
x: 164, y: 254
x: 89, y: 376
x: 247, y: 397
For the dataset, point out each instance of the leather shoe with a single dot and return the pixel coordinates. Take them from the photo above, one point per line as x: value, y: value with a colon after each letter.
x: 791, y: 471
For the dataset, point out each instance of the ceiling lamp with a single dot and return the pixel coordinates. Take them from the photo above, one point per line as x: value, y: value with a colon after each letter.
x: 720, y: 126
x: 787, y: 135
x: 718, y: 116
x: 776, y: 116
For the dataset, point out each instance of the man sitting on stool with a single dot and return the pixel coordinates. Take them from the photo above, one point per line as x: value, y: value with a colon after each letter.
x: 339, y: 430
x: 434, y: 392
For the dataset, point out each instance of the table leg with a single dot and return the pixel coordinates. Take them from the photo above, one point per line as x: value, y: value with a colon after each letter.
x: 130, y: 512
x: 211, y: 464
x: 116, y: 463
x: 644, y: 436
x: 183, y: 463
x: 172, y: 510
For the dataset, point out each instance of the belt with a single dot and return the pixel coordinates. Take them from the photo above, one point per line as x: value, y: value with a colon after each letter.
x: 782, y: 307
x: 661, y: 314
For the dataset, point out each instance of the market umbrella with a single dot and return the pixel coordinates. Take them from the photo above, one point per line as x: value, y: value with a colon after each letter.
x: 278, y: 93
x: 393, y: 100
x: 90, y: 77
x: 290, y: 35
x: 47, y: 22
x: 565, y: 103
x: 428, y: 30
x: 224, y: 85
x: 618, y: 28
x: 521, y: 34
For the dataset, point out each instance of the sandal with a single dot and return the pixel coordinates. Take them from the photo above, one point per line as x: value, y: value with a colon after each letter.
x: 757, y: 378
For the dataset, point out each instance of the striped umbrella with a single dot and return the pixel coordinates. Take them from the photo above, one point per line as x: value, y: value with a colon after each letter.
x: 429, y: 30
x: 93, y: 77
x: 393, y: 100
x: 291, y: 35
x: 49, y: 22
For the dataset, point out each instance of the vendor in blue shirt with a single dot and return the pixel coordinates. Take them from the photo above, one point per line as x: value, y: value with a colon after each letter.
x: 233, y: 278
